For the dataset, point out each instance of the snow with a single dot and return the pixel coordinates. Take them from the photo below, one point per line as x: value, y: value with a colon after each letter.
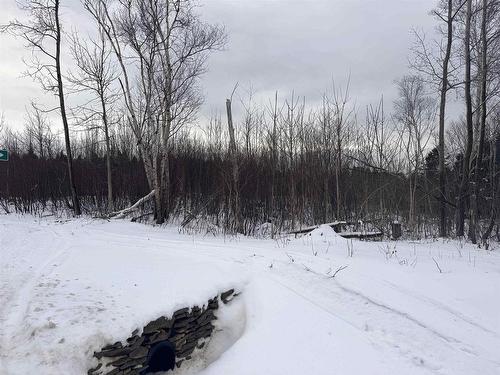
x: 69, y: 287
x: 74, y: 285
x: 324, y: 233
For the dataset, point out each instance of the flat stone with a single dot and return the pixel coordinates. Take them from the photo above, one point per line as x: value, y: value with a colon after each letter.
x: 191, y: 337
x: 159, y: 336
x: 195, y: 310
x: 114, y: 371
x: 181, y: 322
x: 133, y: 363
x: 133, y: 339
x: 138, y: 342
x: 116, y: 345
x: 140, y: 352
x: 180, y: 330
x: 189, y: 345
x: 227, y: 296
x: 131, y: 371
x: 178, y: 342
x: 177, y: 336
x: 93, y: 370
x: 205, y: 334
x: 112, y: 353
x: 156, y: 325
x: 119, y: 362
x: 213, y: 303
x: 205, y: 317
x: 185, y: 352
x: 181, y: 313
x: 208, y: 327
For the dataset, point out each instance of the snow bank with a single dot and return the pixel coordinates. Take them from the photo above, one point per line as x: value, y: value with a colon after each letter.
x: 69, y: 287
x: 321, y: 241
x: 324, y: 233
x: 77, y: 293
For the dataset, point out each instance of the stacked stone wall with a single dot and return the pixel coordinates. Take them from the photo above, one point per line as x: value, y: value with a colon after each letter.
x: 187, y: 330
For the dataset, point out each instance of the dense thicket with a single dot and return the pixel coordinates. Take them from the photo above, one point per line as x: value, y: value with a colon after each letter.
x: 287, y: 189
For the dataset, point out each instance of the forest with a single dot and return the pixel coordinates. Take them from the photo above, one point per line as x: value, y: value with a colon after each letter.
x: 136, y: 147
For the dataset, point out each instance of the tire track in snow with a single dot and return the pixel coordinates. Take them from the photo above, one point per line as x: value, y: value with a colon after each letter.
x: 442, y: 306
x: 390, y: 330
x: 402, y: 314
x: 13, y: 315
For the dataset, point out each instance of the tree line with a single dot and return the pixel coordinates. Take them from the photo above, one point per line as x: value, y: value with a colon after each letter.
x: 286, y: 162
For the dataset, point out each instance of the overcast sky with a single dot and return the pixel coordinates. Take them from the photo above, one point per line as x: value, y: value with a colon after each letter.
x: 274, y: 45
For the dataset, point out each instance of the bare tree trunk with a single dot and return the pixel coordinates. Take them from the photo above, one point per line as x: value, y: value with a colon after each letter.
x: 326, y: 197
x: 338, y: 169
x: 274, y: 157
x: 474, y: 216
x: 74, y: 196
x: 235, y: 194
x: 411, y: 213
x: 494, y: 177
x: 464, y: 185
x: 162, y: 196
x: 108, y: 155
x: 442, y: 114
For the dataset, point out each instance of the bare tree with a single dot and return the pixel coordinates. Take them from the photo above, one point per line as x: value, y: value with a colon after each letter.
x: 38, y: 132
x: 415, y: 111
x: 96, y: 74
x: 169, y: 47
x: 325, y: 124
x: 343, y: 119
x: 272, y: 137
x: 233, y: 157
x: 290, y: 124
x: 378, y: 148
x: 439, y: 68
x: 487, y: 47
x: 43, y: 35
x: 464, y: 184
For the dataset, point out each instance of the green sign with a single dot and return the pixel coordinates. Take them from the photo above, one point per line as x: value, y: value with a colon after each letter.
x: 4, y: 155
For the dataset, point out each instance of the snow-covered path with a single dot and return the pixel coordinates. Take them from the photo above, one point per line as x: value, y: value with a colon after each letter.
x: 79, y: 283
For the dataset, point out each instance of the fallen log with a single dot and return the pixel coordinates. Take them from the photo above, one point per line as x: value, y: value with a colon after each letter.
x: 337, y: 225
x: 361, y: 235
x: 123, y: 213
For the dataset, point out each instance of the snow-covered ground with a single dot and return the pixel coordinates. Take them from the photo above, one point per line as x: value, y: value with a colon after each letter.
x: 68, y: 287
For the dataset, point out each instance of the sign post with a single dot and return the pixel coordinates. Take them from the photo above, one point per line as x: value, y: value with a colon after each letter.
x: 4, y: 155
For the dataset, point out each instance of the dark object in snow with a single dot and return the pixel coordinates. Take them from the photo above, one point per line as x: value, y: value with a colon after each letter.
x: 142, y: 353
x: 227, y: 296
x: 396, y: 230
x: 161, y: 357
x: 340, y: 228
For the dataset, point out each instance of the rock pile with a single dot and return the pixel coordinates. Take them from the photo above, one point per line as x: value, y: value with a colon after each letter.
x: 187, y: 329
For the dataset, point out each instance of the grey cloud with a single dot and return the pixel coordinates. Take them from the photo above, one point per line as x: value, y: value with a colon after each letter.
x: 279, y: 45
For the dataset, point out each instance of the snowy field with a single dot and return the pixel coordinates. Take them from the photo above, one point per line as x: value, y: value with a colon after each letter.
x: 69, y: 287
